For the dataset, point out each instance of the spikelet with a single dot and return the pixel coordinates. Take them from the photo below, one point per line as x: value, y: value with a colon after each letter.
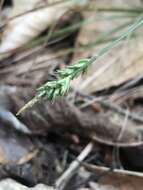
x: 23, y: 28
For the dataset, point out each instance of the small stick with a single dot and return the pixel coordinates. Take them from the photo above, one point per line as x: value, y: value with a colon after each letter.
x: 68, y: 174
x: 121, y: 172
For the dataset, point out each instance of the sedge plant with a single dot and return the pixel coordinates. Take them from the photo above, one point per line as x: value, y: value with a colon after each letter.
x: 51, y: 90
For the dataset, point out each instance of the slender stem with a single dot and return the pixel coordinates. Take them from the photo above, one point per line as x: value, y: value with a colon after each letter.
x: 115, y: 9
x: 59, y: 87
x: 113, y: 44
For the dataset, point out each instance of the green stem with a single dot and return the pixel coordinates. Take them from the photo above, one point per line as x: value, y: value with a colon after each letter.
x: 113, y: 44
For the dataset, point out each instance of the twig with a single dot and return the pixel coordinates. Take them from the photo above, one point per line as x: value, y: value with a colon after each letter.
x: 121, y: 172
x: 106, y: 9
x: 122, y: 111
x: 68, y: 174
x: 110, y: 105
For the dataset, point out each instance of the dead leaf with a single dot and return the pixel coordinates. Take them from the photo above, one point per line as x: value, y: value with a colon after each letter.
x: 25, y: 27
